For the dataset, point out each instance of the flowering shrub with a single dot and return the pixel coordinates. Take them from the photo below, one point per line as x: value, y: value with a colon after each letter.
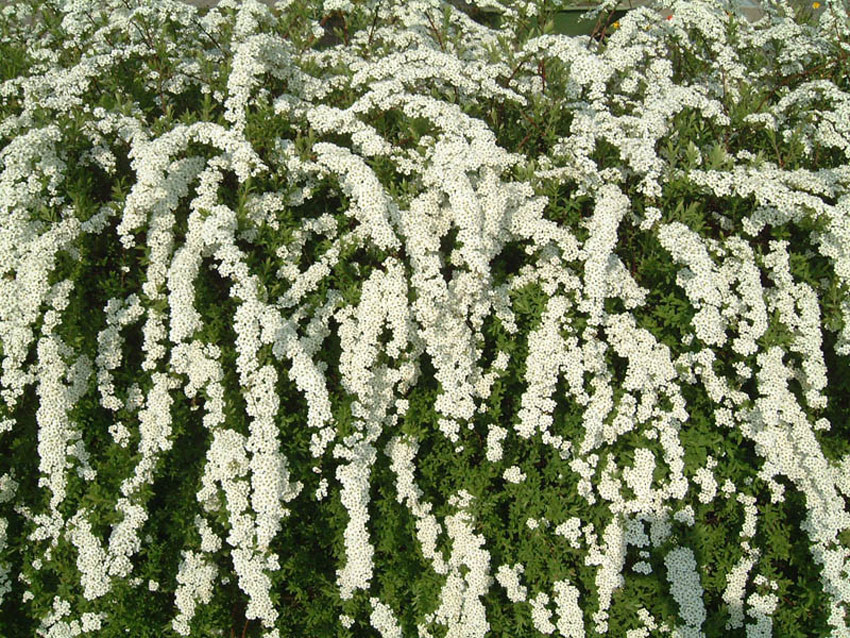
x: 366, y: 318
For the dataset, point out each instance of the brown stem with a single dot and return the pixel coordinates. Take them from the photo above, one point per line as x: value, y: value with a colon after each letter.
x: 541, y: 68
x: 799, y: 76
x: 159, y: 66
x: 94, y: 24
x: 312, y: 37
x: 524, y: 140
x: 533, y: 123
x: 214, y: 41
x: 597, y: 33
x: 514, y: 72
x: 436, y: 32
x: 194, y: 77
x: 776, y: 149
x: 374, y: 25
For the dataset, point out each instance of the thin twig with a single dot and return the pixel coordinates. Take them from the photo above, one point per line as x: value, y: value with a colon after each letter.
x: 541, y: 69
x: 516, y: 69
x: 159, y: 66
x: 374, y: 24
x: 523, y: 141
x: 214, y: 41
x: 776, y: 149
x: 436, y: 32
x: 532, y: 122
x: 94, y: 24
x: 799, y: 76
x: 596, y: 33
x: 312, y: 37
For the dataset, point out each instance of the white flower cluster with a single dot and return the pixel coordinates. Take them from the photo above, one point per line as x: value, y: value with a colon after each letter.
x: 371, y: 206
x: 508, y: 577
x: 195, y: 579
x: 649, y: 625
x: 571, y: 530
x: 761, y: 607
x: 5, y: 568
x: 257, y: 54
x: 57, y: 434
x: 705, y: 479
x: 53, y: 624
x: 798, y: 309
x: 119, y: 314
x: 570, y: 623
x: 611, y: 206
x: 736, y: 583
x: 686, y: 589
x: 461, y: 608
x: 610, y: 558
x: 354, y: 494
x: 495, y: 436
x: 704, y: 286
x: 383, y: 619
x: 91, y: 557
x: 402, y: 453
x: 383, y: 300
x: 540, y: 614
x: 514, y: 474
x: 440, y: 195
x: 547, y: 352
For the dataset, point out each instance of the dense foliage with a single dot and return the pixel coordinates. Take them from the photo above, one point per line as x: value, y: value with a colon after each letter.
x: 415, y: 318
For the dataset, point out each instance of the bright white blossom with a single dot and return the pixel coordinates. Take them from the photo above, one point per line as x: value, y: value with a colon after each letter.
x: 342, y: 250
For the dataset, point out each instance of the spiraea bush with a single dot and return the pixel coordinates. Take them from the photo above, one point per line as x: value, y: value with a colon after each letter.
x: 414, y: 318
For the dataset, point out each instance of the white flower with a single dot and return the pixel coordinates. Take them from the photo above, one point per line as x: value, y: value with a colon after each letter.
x: 195, y: 578
x: 383, y: 619
x: 571, y: 530
x: 508, y: 577
x: 685, y: 586
x: 513, y: 475
x: 540, y: 615
x: 570, y: 623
